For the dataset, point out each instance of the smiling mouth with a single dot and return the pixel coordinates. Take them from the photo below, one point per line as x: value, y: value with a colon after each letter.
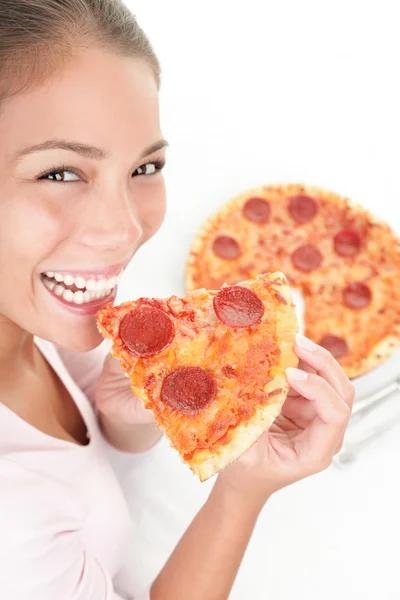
x: 77, y: 290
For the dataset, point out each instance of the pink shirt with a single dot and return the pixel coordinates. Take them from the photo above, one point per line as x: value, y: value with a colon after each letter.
x: 64, y: 523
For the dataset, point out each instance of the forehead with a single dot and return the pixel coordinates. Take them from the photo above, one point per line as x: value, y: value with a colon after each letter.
x: 100, y: 98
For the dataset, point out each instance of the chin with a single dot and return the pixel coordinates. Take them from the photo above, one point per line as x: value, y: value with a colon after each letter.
x: 82, y: 339
x: 71, y: 325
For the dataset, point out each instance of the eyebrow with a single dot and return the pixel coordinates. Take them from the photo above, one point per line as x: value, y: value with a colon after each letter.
x: 84, y: 149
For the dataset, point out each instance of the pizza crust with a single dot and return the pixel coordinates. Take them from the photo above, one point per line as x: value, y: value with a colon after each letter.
x: 378, y: 354
x: 206, y: 463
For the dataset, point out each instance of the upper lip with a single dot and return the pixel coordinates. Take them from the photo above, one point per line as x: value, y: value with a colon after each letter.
x: 108, y: 271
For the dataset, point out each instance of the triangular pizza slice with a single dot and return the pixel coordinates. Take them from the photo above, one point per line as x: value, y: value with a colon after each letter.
x: 210, y: 365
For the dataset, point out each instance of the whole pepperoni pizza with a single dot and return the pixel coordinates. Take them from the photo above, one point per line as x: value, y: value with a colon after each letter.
x: 210, y: 366
x: 346, y: 262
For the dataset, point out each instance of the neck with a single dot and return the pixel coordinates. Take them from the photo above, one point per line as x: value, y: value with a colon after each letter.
x: 17, y: 348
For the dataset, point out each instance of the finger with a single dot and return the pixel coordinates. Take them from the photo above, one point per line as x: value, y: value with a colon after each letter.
x: 325, y: 365
x: 340, y: 445
x: 113, y: 365
x: 299, y: 410
x: 332, y: 414
x: 327, y: 402
x: 304, y: 367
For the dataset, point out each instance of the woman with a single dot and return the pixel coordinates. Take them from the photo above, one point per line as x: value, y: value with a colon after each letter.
x: 81, y: 190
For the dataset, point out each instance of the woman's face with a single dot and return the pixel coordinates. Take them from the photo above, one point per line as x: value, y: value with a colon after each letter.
x: 78, y: 213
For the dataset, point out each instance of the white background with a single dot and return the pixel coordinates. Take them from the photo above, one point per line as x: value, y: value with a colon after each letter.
x: 253, y: 93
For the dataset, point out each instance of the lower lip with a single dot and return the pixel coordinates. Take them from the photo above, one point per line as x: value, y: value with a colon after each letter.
x: 84, y: 310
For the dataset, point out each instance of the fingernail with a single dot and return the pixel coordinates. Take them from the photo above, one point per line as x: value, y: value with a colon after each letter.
x: 305, y: 343
x: 296, y: 374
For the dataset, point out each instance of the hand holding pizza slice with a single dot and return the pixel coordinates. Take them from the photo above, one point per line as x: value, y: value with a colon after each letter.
x: 212, y: 368
x: 306, y: 434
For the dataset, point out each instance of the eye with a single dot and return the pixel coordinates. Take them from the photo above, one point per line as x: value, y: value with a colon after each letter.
x: 150, y: 168
x: 63, y: 174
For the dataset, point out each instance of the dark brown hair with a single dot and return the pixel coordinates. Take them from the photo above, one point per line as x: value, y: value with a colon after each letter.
x: 37, y: 37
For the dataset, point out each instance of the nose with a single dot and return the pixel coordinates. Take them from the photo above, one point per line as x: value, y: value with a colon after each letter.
x: 111, y: 222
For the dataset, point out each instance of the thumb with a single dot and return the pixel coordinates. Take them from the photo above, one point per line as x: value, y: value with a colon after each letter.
x: 113, y: 366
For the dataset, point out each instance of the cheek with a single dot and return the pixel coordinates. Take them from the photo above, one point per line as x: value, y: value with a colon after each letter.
x: 30, y: 230
x: 152, y: 209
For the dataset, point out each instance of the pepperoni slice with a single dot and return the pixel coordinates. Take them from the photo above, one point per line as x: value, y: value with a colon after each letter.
x: 147, y: 330
x: 189, y: 390
x: 257, y: 210
x: 238, y: 306
x: 226, y: 247
x: 302, y: 208
x: 347, y: 242
x: 307, y: 258
x: 337, y: 346
x: 357, y: 296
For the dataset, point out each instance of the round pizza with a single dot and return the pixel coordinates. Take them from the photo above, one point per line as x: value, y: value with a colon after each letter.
x: 346, y: 263
x: 210, y: 366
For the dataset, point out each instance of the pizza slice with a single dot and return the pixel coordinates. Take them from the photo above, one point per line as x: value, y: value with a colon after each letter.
x: 210, y: 366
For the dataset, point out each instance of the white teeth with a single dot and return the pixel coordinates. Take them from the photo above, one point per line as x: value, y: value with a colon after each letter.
x: 111, y: 283
x: 68, y: 296
x: 59, y: 290
x: 78, y: 297
x: 80, y: 282
x: 49, y: 284
x: 95, y: 289
x: 68, y: 280
x: 91, y: 285
x: 102, y: 284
